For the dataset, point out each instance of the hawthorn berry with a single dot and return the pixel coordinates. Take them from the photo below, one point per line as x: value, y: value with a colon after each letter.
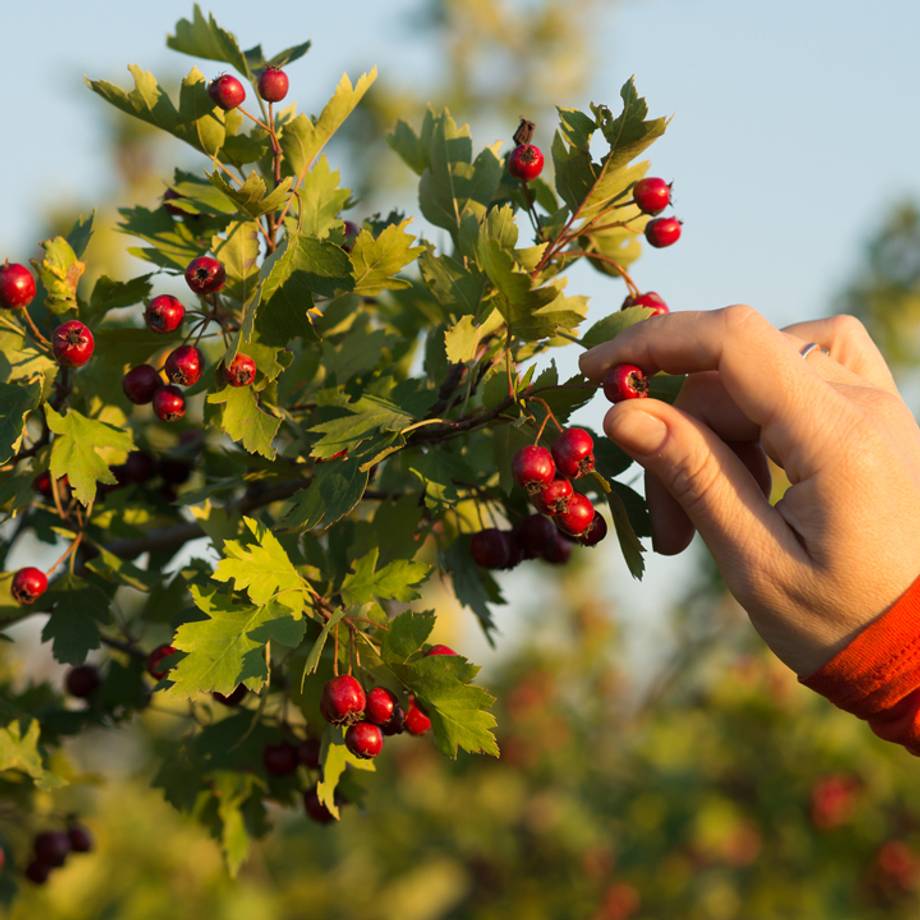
x: 578, y: 515
x: 573, y: 452
x: 650, y: 299
x: 51, y: 848
x: 280, y: 759
x: 555, y: 497
x: 73, y: 344
x: 17, y: 286
x: 141, y: 383
x: 491, y: 549
x: 81, y: 840
x: 29, y: 584
x: 526, y: 162
x: 82, y: 681
x: 138, y: 468
x: 183, y: 366
x: 343, y: 700
x: 154, y: 661
x: 381, y: 704
x: 315, y: 808
x: 364, y: 740
x: 417, y: 721
x: 595, y: 532
x: 535, y: 533
x: 625, y: 381
x: 439, y: 650
x: 533, y: 467
x: 351, y: 234
x: 37, y: 872
x: 205, y: 275
x: 42, y: 485
x: 559, y: 550
x: 308, y: 752
x: 231, y: 699
x: 397, y: 724
x: 663, y: 231
x: 652, y: 195
x: 164, y: 313
x: 226, y: 91
x: 273, y: 84
x: 241, y: 371
x: 169, y: 404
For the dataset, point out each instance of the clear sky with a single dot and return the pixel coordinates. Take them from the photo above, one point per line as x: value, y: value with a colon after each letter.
x: 795, y: 124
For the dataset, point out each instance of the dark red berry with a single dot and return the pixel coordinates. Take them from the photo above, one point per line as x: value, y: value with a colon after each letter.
x: 140, y: 384
x: 663, y: 231
x: 526, y: 162
x: 625, y: 381
x: 280, y: 759
x: 533, y: 467
x: 51, y: 848
x: 73, y: 344
x: 227, y: 91
x: 241, y: 371
x: 577, y: 517
x: 650, y: 299
x: 308, y: 753
x: 558, y: 551
x: 29, y: 584
x: 315, y: 808
x: 397, y: 724
x: 595, y: 532
x: 37, y: 872
x: 174, y: 472
x: 164, y: 313
x: 231, y: 699
x: 183, y: 366
x: 535, y: 533
x: 439, y: 650
x: 364, y: 740
x: 381, y: 704
x: 42, y: 484
x: 17, y: 286
x: 136, y: 470
x: 343, y: 700
x: 351, y: 234
x: 491, y: 548
x: 82, y: 681
x: 652, y: 195
x: 81, y: 840
x: 554, y: 498
x: 205, y: 275
x: 573, y: 452
x: 169, y: 404
x: 273, y: 84
x: 155, y: 667
x: 417, y: 721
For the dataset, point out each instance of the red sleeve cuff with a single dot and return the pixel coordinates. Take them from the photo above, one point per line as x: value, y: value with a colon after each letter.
x: 877, y: 676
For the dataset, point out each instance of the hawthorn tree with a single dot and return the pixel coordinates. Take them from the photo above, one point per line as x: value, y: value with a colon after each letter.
x: 251, y: 473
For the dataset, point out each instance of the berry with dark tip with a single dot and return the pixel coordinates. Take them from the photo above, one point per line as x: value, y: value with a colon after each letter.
x: 184, y: 365
x: 535, y: 533
x: 397, y: 724
x: 439, y: 650
x: 141, y: 383
x: 241, y: 371
x: 273, y: 84
x: 82, y: 681
x: 315, y: 809
x: 625, y: 381
x: 652, y: 195
x: 28, y: 585
x: 37, y: 872
x: 595, y: 532
x: 663, y: 231
x: 205, y: 275
x: 169, y: 404
x: 491, y: 548
x: 573, y: 452
x: 280, y: 759
x: 343, y: 700
x: 533, y: 467
x: 578, y: 515
x: 51, y: 848
x: 17, y: 286
x: 554, y: 498
x: 81, y: 840
x: 364, y: 740
x: 381, y: 704
x: 308, y: 753
x: 526, y: 162
x: 226, y: 91
x: 651, y: 299
x: 417, y: 721
x: 231, y: 699
x: 155, y: 659
x: 73, y: 344
x: 164, y: 313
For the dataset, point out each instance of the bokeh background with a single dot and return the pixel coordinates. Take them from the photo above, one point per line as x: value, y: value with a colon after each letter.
x: 657, y: 763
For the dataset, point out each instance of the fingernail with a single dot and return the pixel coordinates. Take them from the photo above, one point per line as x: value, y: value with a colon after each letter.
x: 637, y: 431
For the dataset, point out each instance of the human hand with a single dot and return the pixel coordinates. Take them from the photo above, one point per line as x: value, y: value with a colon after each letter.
x: 844, y: 541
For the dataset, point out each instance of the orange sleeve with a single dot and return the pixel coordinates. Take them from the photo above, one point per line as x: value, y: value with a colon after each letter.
x: 877, y: 676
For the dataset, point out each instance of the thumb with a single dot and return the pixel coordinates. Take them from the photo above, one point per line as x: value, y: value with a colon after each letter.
x: 704, y: 476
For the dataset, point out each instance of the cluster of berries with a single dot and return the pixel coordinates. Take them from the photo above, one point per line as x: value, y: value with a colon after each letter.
x: 50, y: 850
x: 228, y: 92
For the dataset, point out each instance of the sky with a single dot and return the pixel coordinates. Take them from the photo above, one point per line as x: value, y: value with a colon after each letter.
x: 794, y: 126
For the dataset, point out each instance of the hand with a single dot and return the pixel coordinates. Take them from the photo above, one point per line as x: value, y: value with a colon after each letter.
x: 844, y: 541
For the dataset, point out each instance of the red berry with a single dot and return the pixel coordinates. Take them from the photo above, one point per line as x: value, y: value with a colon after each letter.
x: 231, y: 699
x: 397, y: 724
x: 81, y: 840
x: 42, y: 484
x: 273, y: 84
x: 205, y: 275
x: 227, y: 91
x: 364, y: 740
x: 439, y: 650
x: 625, y: 381
x: 381, y: 704
x: 73, y: 343
x: 526, y: 162
x: 574, y: 453
x: 154, y: 661
x: 663, y: 231
x: 555, y: 497
x: 559, y: 551
x: 649, y: 299
x: 241, y: 371
x: 141, y: 383
x: 183, y: 366
x: 82, y: 681
x: 280, y: 759
x: 308, y: 753
x: 169, y: 404
x: 17, y: 286
x: 315, y: 808
x: 51, y: 848
x: 491, y: 549
x: 29, y: 584
x: 37, y: 872
x: 535, y: 533
x: 652, y: 196
x: 577, y: 517
x: 137, y: 469
x: 417, y: 721
x: 351, y: 234
x: 164, y: 313
x: 343, y: 700
x: 533, y: 467
x: 595, y: 532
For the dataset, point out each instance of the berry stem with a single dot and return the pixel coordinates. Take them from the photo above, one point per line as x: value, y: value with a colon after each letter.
x: 252, y: 117
x: 600, y: 257
x: 56, y: 495
x: 36, y: 334
x: 550, y: 416
x: 571, y: 338
x: 74, y: 546
x: 602, y: 482
x: 529, y: 198
x: 335, y: 651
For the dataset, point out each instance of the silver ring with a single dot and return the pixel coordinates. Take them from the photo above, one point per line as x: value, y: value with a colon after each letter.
x: 806, y: 350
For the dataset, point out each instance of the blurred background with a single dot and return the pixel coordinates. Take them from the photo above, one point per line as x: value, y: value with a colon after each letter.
x: 656, y: 762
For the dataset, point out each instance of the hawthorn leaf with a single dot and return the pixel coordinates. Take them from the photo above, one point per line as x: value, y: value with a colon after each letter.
x: 60, y: 271
x: 630, y: 545
x: 376, y: 261
x: 239, y: 251
x: 19, y: 751
x: 205, y: 38
x: 611, y: 326
x: 245, y: 422
x: 113, y: 295
x: 334, y: 758
x: 21, y: 362
x: 16, y: 402
x: 319, y: 200
x: 316, y: 651
x: 475, y: 587
x: 405, y: 636
x: 335, y: 490
x: 253, y: 197
x: 396, y: 580
x: 231, y: 790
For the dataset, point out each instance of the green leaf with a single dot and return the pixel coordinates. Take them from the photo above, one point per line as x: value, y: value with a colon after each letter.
x: 630, y: 132
x: 334, y: 758
x: 630, y: 544
x: 611, y: 326
x: 406, y: 635
x: 335, y: 490
x: 395, y: 581
x: 461, y: 340
x: 16, y: 402
x: 19, y: 751
x: 376, y: 262
x: 75, y: 451
x: 244, y: 421
x: 231, y: 790
x: 253, y: 197
x: 19, y: 361
x: 320, y: 200
x: 60, y: 272
x: 239, y: 253
x: 80, y: 233
x: 316, y: 652
x: 205, y: 38
x: 112, y: 295
x: 475, y: 587
x: 73, y: 634
x: 367, y: 416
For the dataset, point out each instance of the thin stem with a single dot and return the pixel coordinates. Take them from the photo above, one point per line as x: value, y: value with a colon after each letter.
x: 34, y: 329
x: 599, y: 257
x: 74, y: 546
